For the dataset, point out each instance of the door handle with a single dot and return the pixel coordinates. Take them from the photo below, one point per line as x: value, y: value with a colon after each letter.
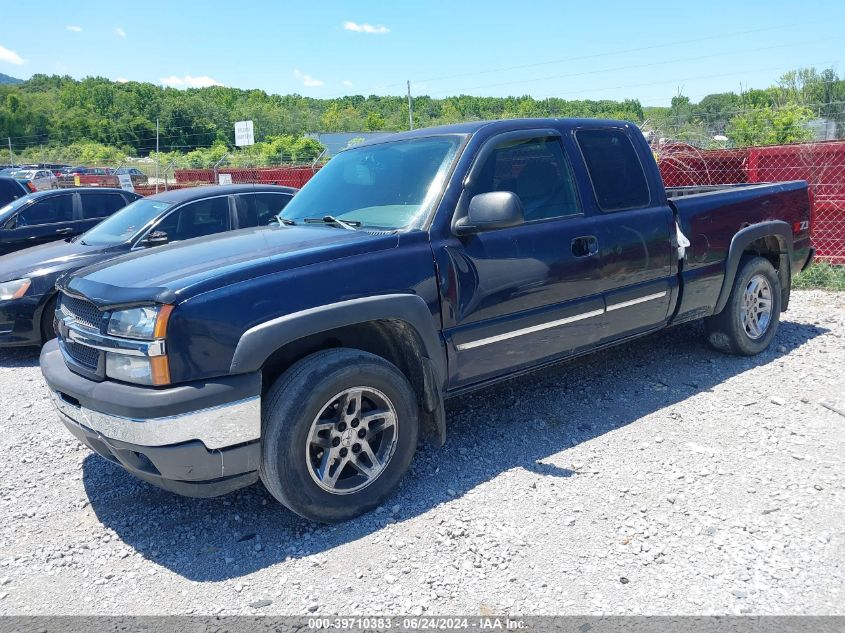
x: 64, y: 231
x: 585, y: 246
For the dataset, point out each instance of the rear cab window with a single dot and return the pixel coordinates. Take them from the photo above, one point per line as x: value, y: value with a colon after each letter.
x: 617, y: 175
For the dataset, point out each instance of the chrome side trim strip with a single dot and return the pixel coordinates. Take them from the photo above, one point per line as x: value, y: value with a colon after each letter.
x: 564, y: 321
x: 528, y: 330
x: 216, y: 427
x: 632, y: 302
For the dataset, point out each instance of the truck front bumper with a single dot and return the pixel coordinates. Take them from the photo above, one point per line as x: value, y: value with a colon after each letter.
x: 199, y: 439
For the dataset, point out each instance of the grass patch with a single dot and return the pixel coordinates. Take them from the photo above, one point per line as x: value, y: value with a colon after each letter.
x: 821, y: 276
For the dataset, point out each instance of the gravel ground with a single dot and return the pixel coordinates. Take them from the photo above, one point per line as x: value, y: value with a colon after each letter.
x: 659, y: 477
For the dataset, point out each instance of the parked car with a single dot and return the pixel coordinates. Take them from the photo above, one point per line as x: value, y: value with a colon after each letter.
x: 88, y: 177
x: 47, y: 216
x: 138, y: 177
x: 11, y: 189
x: 167, y: 217
x: 37, y: 179
x: 411, y: 268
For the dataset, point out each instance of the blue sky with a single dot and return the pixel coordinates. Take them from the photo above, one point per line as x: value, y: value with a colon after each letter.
x: 573, y: 50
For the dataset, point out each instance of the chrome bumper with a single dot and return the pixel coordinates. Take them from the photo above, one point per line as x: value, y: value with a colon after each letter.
x: 216, y: 427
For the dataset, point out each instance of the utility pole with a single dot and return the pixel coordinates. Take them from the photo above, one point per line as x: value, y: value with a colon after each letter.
x: 11, y: 156
x: 158, y: 156
x: 410, y: 108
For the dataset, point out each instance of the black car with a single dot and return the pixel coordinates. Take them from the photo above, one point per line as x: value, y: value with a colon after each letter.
x: 28, y: 278
x: 10, y: 190
x: 47, y: 216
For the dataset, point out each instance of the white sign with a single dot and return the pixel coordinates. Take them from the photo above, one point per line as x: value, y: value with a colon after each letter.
x: 224, y: 179
x: 125, y: 182
x: 244, y: 133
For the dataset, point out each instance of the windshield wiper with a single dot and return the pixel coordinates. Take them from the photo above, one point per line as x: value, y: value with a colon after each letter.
x: 283, y: 221
x: 351, y: 225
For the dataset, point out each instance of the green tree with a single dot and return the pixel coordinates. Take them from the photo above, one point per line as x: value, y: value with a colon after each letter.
x: 770, y: 126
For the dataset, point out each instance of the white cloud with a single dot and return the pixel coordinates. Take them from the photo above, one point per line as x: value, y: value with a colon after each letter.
x: 10, y: 57
x: 122, y: 80
x: 375, y: 29
x: 120, y: 32
x: 307, y: 80
x: 189, y: 81
x: 346, y: 82
x: 75, y: 29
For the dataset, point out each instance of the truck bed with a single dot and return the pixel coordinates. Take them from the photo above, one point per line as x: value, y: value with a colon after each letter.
x: 710, y: 215
x: 680, y: 192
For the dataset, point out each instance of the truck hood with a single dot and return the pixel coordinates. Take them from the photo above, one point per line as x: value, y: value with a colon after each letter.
x: 51, y: 259
x: 176, y: 272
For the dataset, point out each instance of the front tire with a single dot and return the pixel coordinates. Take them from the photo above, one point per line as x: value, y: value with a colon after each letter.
x: 48, y: 317
x: 339, y: 431
x: 751, y: 316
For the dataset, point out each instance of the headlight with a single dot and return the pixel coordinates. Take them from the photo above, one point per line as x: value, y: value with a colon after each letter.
x: 134, y: 369
x: 13, y: 289
x: 139, y: 323
x: 146, y: 323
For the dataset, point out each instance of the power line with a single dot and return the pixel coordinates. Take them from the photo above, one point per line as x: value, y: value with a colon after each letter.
x: 684, y: 42
x: 648, y: 65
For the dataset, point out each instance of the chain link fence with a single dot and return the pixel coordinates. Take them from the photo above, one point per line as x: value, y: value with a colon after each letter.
x: 821, y: 164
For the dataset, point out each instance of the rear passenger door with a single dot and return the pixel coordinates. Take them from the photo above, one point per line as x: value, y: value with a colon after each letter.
x: 635, y: 229
x: 98, y: 205
x: 259, y: 209
x: 47, y: 219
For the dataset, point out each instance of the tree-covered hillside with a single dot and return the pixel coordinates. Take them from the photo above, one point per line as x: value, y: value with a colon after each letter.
x: 61, y: 110
x: 47, y: 115
x: 8, y: 79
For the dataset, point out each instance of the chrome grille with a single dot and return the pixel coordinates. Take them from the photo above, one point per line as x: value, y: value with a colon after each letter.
x: 83, y: 312
x: 82, y: 354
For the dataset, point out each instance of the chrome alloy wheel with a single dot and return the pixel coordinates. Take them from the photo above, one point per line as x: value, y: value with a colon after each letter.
x: 351, y: 440
x: 756, y: 307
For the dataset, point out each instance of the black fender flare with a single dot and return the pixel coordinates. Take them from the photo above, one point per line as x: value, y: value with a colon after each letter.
x: 774, y: 228
x: 258, y: 343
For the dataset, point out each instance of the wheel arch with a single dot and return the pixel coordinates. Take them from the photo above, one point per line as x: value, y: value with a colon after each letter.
x: 398, y: 328
x: 772, y: 240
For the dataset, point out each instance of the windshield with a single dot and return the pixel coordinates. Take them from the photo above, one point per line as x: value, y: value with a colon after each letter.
x: 22, y: 173
x: 126, y: 223
x: 384, y: 186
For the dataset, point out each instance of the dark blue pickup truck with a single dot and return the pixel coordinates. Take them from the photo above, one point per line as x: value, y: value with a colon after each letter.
x: 314, y: 354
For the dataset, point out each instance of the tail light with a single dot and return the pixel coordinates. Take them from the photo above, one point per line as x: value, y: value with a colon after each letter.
x: 31, y: 186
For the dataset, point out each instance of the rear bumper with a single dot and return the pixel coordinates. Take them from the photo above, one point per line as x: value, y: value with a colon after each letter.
x: 198, y: 439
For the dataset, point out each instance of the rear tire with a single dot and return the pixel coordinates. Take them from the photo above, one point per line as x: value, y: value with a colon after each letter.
x: 751, y: 316
x: 339, y: 430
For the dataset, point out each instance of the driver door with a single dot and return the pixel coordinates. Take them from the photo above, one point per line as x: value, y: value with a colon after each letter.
x: 518, y: 296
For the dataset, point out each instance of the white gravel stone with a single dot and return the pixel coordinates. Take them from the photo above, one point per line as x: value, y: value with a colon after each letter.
x: 713, y: 484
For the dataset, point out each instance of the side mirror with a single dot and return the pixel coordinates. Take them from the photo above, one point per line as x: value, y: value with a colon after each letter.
x: 156, y: 238
x: 492, y: 210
